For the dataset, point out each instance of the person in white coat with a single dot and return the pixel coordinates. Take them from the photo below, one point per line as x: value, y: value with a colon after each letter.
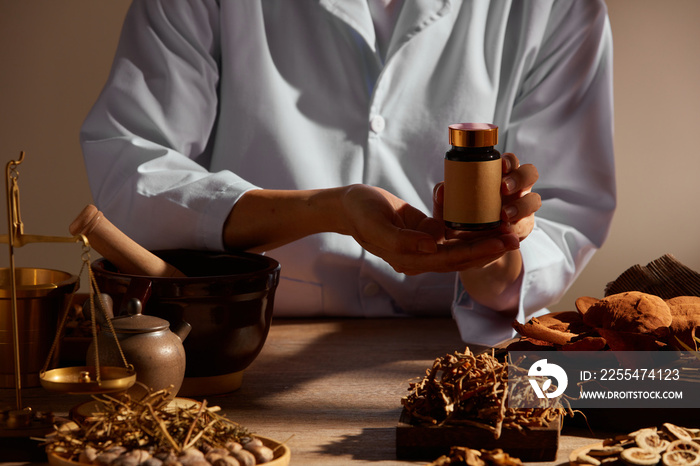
x: 315, y: 131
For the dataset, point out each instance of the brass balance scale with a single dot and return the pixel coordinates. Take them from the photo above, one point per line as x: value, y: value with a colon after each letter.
x: 96, y: 379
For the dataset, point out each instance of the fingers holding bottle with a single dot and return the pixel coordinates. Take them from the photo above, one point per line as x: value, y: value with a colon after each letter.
x: 519, y: 202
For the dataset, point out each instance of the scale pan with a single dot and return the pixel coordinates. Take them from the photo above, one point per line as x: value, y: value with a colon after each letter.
x: 82, y: 379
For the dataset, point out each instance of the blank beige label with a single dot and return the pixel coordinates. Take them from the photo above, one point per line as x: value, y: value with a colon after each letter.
x: 472, y: 191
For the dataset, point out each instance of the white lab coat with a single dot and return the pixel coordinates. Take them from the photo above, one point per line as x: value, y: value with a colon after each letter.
x: 209, y: 99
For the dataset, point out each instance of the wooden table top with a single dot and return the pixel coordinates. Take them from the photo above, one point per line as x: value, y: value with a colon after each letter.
x: 331, y: 388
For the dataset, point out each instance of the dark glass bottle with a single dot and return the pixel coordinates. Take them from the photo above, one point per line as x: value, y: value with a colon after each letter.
x: 472, y: 178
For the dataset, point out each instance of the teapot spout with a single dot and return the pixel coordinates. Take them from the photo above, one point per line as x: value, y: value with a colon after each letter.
x: 182, y: 330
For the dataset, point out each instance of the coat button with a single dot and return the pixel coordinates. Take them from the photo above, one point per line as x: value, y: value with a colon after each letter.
x: 377, y: 124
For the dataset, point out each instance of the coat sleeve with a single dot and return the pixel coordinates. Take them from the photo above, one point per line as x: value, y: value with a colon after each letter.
x: 146, y: 140
x: 561, y: 119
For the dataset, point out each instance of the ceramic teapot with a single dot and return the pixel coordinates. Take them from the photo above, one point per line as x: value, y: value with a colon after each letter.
x: 148, y: 343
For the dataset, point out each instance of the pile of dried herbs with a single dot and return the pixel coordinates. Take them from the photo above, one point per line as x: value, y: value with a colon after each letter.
x: 468, y: 389
x: 159, y: 433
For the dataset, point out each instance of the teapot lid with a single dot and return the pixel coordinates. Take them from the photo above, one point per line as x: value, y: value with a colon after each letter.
x: 136, y: 322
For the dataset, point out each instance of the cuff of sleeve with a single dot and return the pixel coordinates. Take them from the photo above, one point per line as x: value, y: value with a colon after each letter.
x: 481, y: 325
x: 211, y: 225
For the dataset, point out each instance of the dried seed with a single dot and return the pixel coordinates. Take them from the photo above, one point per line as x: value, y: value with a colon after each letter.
x: 191, y: 457
x: 251, y: 442
x: 262, y: 454
x: 233, y: 446
x: 211, y: 458
x: 244, y: 457
x: 200, y: 462
x: 166, y: 456
x: 139, y: 455
x: 152, y: 461
x: 226, y: 461
x: 217, y: 451
x: 124, y: 460
x: 105, y: 459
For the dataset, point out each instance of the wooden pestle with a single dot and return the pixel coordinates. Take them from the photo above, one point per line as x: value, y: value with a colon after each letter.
x: 124, y: 253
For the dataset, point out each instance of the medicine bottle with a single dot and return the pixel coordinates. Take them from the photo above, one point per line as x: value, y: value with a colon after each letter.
x: 472, y: 178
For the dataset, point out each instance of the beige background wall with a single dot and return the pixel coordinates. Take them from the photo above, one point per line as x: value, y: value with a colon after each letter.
x: 55, y: 56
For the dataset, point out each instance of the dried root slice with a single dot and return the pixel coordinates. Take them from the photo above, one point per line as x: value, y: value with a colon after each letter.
x: 649, y: 439
x: 586, y: 458
x: 677, y: 432
x: 606, y: 451
x: 681, y: 458
x: 623, y: 440
x: 640, y: 456
x: 684, y: 445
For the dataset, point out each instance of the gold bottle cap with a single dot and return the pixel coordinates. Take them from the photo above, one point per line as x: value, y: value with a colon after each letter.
x: 473, y: 134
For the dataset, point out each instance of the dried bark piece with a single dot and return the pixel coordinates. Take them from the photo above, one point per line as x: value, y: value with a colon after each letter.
x: 535, y: 329
x: 566, y: 321
x: 557, y: 328
x: 530, y: 344
x: 631, y: 312
x: 583, y: 303
x: 628, y: 341
x: 665, y: 277
x: 685, y: 311
x: 686, y: 318
x: 588, y: 343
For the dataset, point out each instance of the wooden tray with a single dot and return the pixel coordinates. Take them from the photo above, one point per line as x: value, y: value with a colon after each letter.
x: 416, y: 442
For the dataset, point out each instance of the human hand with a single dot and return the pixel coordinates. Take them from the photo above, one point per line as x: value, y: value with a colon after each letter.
x: 487, y: 282
x: 519, y: 203
x: 410, y: 241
